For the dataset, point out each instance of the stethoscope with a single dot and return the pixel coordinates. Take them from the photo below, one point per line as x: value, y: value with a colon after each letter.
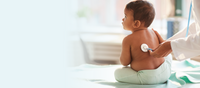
x: 145, y: 48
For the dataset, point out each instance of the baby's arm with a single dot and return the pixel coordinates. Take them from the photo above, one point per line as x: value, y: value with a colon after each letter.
x: 125, y: 57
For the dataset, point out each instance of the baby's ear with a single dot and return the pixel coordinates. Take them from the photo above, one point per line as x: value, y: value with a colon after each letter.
x: 136, y: 24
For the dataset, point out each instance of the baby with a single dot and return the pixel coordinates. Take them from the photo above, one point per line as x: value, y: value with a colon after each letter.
x: 144, y: 69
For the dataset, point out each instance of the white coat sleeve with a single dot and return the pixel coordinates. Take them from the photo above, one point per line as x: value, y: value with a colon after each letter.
x: 184, y: 48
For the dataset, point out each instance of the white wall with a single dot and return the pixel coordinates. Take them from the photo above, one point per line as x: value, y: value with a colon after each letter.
x: 33, y: 43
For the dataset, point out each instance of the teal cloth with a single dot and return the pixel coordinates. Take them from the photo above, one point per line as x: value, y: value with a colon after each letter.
x: 183, y: 72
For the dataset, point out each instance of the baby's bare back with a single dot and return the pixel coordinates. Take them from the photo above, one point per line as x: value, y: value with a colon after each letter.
x: 142, y: 60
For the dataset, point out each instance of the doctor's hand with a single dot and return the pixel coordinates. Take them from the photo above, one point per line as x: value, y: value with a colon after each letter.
x: 161, y: 40
x: 163, y: 50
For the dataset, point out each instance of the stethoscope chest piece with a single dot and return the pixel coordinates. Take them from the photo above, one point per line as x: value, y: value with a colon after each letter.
x: 144, y: 47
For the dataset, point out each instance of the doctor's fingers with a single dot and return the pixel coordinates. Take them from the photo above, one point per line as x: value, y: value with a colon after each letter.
x: 168, y: 52
x: 155, y: 54
x: 161, y: 54
x: 159, y: 36
x: 160, y: 51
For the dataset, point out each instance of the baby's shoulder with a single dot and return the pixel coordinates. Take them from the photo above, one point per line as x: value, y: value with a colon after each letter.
x: 129, y: 37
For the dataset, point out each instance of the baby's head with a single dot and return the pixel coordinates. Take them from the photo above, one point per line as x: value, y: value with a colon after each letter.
x: 142, y: 13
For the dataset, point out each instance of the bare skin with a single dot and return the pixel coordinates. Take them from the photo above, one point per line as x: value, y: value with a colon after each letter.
x: 131, y: 51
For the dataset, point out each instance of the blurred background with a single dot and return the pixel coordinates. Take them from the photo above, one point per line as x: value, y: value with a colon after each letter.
x: 96, y: 31
x: 33, y: 43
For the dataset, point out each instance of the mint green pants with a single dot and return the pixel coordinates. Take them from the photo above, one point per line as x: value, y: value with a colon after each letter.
x: 155, y: 76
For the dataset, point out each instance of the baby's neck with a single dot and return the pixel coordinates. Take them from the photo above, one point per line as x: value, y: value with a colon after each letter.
x: 139, y: 29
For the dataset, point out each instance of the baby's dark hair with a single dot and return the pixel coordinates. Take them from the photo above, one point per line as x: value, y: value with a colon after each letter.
x: 142, y: 10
